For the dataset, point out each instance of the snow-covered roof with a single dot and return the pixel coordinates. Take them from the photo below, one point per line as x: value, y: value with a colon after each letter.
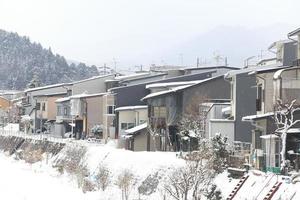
x: 52, y: 94
x: 295, y: 32
x: 92, y: 78
x: 280, y: 42
x: 226, y: 110
x: 291, y: 130
x: 278, y: 73
x: 78, y: 96
x: 253, y: 117
x: 131, y: 76
x: 136, y: 128
x: 210, y: 67
x: 175, y: 89
x: 256, y: 69
x: 47, y: 87
x: 269, y: 136
x: 156, y: 94
x: 158, y: 85
x: 131, y: 108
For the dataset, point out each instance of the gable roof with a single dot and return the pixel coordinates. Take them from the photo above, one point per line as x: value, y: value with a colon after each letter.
x: 167, y: 79
x: 179, y: 88
x: 47, y: 87
x: 256, y: 69
x: 79, y: 96
x: 130, y: 108
x: 92, y: 78
x: 295, y: 32
x: 212, y: 67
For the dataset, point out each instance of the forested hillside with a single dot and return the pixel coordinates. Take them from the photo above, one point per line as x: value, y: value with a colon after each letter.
x: 21, y: 60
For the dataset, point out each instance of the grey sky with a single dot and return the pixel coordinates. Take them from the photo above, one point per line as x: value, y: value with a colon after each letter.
x: 145, y: 31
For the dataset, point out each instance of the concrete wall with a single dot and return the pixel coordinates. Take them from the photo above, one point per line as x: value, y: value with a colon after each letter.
x: 108, y: 119
x: 214, y: 89
x: 266, y: 80
x: 290, y: 85
x: 94, y: 112
x: 51, y: 108
x: 92, y: 85
x: 224, y: 127
x: 140, y: 142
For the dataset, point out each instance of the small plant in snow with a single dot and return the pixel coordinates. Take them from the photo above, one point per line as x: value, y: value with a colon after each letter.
x: 103, y: 177
x: 126, y: 182
x: 149, y: 185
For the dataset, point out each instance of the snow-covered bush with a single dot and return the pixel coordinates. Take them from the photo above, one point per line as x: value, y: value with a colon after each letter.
x: 149, y: 185
x: 88, y: 185
x: 126, y: 182
x: 97, y: 131
x: 220, y: 152
x: 103, y: 177
x: 73, y: 161
x: 213, y: 193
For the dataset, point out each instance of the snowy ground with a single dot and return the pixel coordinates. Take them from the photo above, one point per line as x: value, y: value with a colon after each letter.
x: 22, y: 181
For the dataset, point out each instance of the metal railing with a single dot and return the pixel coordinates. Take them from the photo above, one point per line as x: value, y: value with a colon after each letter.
x: 49, y: 137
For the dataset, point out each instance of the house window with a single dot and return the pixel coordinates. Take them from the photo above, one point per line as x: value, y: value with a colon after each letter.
x: 259, y: 97
x: 143, y: 121
x: 38, y: 106
x: 111, y: 109
x: 43, y: 106
x: 125, y: 126
x: 59, y: 113
x: 159, y: 111
x: 65, y: 111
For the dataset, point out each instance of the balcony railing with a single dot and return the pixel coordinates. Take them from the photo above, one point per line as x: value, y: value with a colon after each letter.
x: 296, y: 62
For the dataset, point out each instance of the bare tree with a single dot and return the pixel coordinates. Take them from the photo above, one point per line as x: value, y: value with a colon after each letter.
x: 154, y: 131
x: 126, y: 182
x: 193, y: 121
x: 193, y: 180
x: 103, y: 177
x: 285, y: 119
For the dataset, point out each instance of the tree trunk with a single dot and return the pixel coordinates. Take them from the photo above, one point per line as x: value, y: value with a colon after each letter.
x: 283, y: 149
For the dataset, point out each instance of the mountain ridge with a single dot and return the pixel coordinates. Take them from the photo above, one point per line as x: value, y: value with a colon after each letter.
x: 21, y: 61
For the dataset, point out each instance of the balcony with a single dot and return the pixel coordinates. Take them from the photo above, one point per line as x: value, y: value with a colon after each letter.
x: 296, y: 62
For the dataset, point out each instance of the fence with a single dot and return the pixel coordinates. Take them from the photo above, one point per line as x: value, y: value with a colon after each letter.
x: 48, y: 137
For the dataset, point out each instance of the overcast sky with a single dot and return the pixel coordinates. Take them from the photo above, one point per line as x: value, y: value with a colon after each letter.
x: 148, y: 31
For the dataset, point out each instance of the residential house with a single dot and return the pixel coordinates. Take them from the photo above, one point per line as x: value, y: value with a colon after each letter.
x: 168, y: 107
x: 45, y: 111
x: 82, y: 114
x: 29, y: 102
x: 5, y: 105
x: 130, y: 119
x: 272, y: 85
x: 291, y: 35
x: 131, y: 95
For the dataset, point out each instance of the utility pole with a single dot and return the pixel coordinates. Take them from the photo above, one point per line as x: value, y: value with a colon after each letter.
x: 198, y: 62
x: 115, y: 65
x: 181, y: 58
